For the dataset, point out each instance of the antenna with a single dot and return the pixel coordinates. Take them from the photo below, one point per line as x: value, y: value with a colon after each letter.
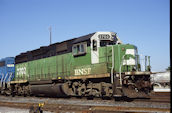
x: 50, y: 34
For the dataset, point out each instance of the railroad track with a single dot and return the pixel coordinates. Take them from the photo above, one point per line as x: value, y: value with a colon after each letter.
x: 59, y: 108
x: 160, y: 97
x: 79, y: 105
x: 163, y: 97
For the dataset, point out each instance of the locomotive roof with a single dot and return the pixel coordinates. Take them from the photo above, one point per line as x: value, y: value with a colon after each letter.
x: 83, y: 38
x: 57, y: 48
x: 51, y: 50
x: 74, y: 41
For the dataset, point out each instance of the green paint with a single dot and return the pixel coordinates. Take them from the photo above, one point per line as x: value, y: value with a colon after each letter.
x: 68, y: 65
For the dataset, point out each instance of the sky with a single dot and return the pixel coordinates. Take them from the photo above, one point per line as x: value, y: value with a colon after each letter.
x: 24, y: 24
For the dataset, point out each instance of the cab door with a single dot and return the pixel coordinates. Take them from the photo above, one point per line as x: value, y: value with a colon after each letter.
x: 94, y: 51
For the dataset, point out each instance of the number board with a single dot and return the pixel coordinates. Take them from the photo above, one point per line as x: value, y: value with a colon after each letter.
x: 104, y: 37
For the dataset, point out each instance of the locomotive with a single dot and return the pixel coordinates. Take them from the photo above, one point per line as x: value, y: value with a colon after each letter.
x: 93, y: 65
x: 7, y: 72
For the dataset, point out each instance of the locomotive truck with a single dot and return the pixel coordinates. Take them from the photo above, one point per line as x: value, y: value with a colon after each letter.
x: 97, y: 65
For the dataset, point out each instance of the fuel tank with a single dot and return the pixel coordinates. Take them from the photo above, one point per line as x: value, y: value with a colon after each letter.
x: 49, y: 90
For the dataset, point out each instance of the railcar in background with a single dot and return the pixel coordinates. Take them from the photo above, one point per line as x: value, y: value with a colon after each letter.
x: 161, y: 81
x: 7, y: 71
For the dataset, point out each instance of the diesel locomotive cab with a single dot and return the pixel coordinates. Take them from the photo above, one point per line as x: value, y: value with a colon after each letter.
x: 123, y: 64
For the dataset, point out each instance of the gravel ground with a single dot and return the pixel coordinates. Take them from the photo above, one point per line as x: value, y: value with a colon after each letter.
x: 83, y: 102
x: 12, y: 110
x: 16, y: 110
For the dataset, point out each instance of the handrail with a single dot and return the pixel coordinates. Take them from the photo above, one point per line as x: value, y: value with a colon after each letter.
x: 112, y: 65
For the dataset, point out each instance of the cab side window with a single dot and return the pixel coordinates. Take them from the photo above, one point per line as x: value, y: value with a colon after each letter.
x: 94, y: 45
x: 79, y: 49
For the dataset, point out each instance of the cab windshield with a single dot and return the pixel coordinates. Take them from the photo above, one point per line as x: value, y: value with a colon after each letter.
x: 106, y: 42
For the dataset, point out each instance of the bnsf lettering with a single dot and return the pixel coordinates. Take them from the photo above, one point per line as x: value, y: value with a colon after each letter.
x: 84, y: 71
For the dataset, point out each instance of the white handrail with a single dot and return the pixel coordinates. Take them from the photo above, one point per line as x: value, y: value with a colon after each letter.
x: 120, y: 78
x: 112, y: 65
x: 2, y: 80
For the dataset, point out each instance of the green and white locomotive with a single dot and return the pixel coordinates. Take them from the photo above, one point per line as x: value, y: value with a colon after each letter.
x: 97, y: 65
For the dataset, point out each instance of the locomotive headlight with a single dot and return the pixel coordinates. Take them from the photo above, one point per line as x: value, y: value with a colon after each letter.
x: 59, y: 77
